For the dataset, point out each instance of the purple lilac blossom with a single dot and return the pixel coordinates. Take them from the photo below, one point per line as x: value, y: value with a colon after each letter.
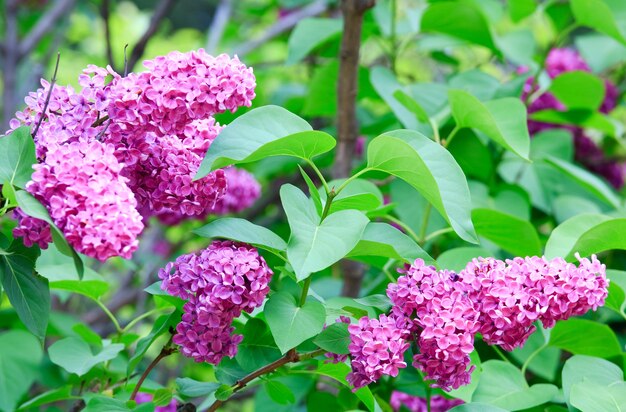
x: 377, y: 348
x: 219, y: 283
x: 438, y: 403
x: 81, y: 186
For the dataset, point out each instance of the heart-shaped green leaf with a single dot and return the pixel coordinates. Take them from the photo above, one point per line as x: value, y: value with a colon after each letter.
x: 291, y: 324
x: 315, y: 245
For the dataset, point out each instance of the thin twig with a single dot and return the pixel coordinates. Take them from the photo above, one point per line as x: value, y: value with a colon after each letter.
x: 161, y: 10
x: 218, y: 25
x: 105, y: 12
x: 290, y: 357
x: 283, y: 25
x: 47, y: 102
x: 44, y: 25
x: 165, y: 352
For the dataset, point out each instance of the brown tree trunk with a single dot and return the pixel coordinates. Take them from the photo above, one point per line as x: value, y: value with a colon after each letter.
x: 347, y: 126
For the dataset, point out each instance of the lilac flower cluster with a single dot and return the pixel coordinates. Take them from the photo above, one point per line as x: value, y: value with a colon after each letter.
x: 88, y: 199
x: 441, y: 311
x: 377, y: 348
x: 434, y: 303
x: 219, y: 283
x: 588, y: 153
x: 242, y: 191
x: 159, y: 124
x: 412, y: 403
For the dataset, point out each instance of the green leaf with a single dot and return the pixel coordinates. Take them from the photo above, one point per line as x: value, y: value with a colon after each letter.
x: 382, y: 239
x: 258, y: 347
x: 480, y: 164
x: 458, y: 19
x: 502, y: 120
x: 334, y: 339
x: 315, y: 245
x: 20, y: 356
x: 380, y: 302
x: 411, y: 105
x: 242, y: 230
x: 585, y: 337
x: 264, y: 132
x: 75, y: 356
x: 338, y: 372
x: 309, y: 34
x: 33, y: 208
x: 17, y: 156
x: 59, y: 394
x: 359, y: 194
x: 223, y: 392
x: 90, y: 288
x: 511, y: 233
x: 430, y: 169
x: 587, y: 119
x: 27, y: 291
x: 105, y: 404
x: 279, y: 392
x: 502, y: 384
x: 578, y: 90
x: 290, y: 324
x: 386, y: 84
x: 477, y: 83
x: 600, y: 15
x: 586, y: 234
x: 456, y: 259
x: 162, y: 397
x: 591, y: 397
x: 580, y: 368
x: 313, y: 192
x: 586, y: 179
x: 520, y: 9
x: 616, y: 299
x: 195, y: 389
x: 545, y: 361
x: 566, y: 207
x: 162, y: 296
x: 477, y: 407
x: 161, y: 326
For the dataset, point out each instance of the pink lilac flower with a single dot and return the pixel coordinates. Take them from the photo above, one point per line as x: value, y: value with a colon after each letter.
x: 242, y: 190
x: 564, y: 60
x: 377, y: 348
x: 205, y: 333
x: 219, y: 283
x: 588, y: 153
x: 159, y: 121
x: 33, y: 231
x: 80, y: 185
x: 512, y: 295
x: 435, y: 305
x: 143, y: 397
x: 335, y: 357
x: 412, y: 403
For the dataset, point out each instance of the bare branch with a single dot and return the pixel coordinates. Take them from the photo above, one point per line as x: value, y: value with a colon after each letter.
x: 283, y: 25
x: 47, y: 102
x: 44, y: 25
x: 105, y: 12
x: 218, y: 25
x: 161, y: 10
